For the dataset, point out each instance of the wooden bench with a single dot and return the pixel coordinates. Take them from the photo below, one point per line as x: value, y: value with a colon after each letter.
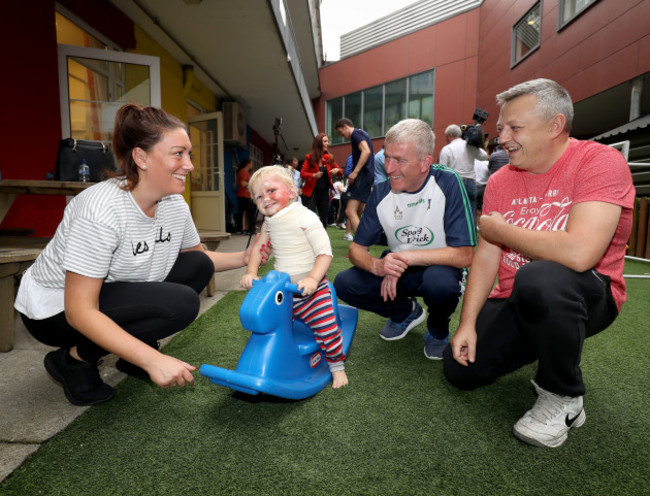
x: 211, y: 240
x: 13, y: 262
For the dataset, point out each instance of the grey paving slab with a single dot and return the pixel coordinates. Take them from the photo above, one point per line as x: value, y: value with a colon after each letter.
x: 12, y: 456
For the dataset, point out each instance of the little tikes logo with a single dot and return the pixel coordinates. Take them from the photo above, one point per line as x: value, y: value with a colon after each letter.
x: 414, y: 235
x: 314, y: 360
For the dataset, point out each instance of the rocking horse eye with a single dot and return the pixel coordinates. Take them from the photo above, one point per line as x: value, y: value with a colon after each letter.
x: 279, y: 298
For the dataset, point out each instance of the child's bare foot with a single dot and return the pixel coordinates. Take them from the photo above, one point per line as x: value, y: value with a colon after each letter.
x: 339, y: 379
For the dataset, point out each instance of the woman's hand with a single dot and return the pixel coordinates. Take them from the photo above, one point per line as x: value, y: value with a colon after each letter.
x: 168, y: 371
x: 265, y: 251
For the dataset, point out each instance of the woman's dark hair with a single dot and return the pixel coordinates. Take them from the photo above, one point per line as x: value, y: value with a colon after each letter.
x: 317, y: 150
x: 243, y: 163
x: 137, y: 126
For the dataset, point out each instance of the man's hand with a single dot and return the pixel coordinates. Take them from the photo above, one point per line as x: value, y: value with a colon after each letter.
x: 489, y: 225
x: 389, y: 288
x: 394, y: 264
x: 352, y: 177
x: 463, y: 345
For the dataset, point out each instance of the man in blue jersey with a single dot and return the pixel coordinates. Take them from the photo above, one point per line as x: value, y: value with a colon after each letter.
x: 427, y: 218
x: 362, y: 177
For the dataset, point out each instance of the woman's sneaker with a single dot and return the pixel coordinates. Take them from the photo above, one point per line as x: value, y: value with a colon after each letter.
x: 397, y: 330
x: 548, y: 422
x: 81, y: 382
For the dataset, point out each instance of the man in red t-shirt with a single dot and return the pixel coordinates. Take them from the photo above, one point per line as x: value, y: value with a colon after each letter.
x: 553, y: 233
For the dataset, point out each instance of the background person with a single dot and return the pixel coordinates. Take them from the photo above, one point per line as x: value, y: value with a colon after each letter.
x: 458, y: 155
x: 554, y: 229
x: 125, y: 266
x: 362, y: 177
x: 317, y: 171
x: 246, y: 208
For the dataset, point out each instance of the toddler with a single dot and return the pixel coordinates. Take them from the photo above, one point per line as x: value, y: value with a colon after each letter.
x: 302, y: 249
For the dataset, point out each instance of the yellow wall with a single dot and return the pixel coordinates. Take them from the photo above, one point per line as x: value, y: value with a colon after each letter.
x: 173, y: 94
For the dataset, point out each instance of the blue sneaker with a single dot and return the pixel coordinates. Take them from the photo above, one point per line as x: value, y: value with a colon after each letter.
x: 397, y: 330
x: 433, y: 347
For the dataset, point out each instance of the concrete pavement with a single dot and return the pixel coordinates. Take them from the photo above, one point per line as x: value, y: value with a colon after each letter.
x: 33, y: 407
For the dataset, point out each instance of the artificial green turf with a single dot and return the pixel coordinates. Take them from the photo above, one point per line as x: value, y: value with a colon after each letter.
x: 398, y: 428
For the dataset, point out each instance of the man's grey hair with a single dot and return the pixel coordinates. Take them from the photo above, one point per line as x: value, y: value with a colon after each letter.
x: 552, y: 99
x: 453, y: 130
x: 413, y: 131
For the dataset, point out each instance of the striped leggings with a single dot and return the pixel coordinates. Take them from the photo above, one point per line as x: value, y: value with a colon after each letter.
x: 317, y: 312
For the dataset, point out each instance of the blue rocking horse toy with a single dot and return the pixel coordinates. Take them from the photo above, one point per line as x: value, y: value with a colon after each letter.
x: 281, y: 357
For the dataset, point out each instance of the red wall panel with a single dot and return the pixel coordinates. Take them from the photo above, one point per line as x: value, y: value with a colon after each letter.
x: 31, y: 121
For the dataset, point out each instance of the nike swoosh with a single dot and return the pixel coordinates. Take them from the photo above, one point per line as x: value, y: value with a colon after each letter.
x: 569, y: 421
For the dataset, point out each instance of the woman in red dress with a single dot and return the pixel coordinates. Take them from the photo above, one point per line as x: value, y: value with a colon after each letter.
x: 317, y: 171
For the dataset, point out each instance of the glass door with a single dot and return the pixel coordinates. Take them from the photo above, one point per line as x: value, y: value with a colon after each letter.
x: 206, y: 181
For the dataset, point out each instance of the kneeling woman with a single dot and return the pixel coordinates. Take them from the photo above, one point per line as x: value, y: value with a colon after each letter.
x: 125, y: 266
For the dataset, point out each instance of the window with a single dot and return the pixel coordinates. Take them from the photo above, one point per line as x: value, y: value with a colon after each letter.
x: 353, y: 108
x: 94, y: 81
x: 421, y: 97
x: 378, y: 108
x: 334, y: 113
x: 395, y: 104
x: 372, y: 111
x: 526, y: 34
x: 570, y: 9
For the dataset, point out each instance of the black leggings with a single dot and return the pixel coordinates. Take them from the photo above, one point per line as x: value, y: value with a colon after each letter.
x: 148, y: 310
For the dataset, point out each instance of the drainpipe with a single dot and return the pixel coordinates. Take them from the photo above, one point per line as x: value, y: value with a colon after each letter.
x: 635, y: 98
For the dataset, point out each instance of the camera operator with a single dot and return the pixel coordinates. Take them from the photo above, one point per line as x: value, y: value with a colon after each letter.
x: 460, y: 154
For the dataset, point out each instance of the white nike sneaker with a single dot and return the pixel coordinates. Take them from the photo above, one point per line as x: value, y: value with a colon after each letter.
x: 548, y: 422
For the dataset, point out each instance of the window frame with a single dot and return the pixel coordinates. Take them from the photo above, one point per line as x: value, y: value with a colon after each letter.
x: 67, y: 51
x: 561, y: 7
x: 522, y: 20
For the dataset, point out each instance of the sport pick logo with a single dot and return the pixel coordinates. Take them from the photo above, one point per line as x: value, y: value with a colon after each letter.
x: 414, y: 235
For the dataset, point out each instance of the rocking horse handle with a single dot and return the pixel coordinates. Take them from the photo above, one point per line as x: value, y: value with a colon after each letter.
x: 293, y: 288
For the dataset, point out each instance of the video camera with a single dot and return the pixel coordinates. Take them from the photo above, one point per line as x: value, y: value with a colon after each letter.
x: 473, y: 135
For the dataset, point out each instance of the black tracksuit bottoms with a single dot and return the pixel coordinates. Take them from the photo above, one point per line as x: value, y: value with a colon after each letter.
x: 551, y: 310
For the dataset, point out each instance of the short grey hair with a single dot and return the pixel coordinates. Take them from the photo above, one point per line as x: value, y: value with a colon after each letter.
x: 453, y: 130
x: 413, y: 131
x: 552, y: 99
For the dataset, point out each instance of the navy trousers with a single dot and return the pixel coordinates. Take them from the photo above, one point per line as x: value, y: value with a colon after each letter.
x: 438, y: 285
x: 551, y: 311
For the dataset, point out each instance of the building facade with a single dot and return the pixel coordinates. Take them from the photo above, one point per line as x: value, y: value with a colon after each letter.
x: 228, y: 69
x: 598, y: 49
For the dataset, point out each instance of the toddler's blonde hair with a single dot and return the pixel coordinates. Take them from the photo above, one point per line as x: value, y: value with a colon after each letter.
x: 282, y: 173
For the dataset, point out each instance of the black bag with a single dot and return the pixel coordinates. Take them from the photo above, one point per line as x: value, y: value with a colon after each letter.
x: 71, y: 153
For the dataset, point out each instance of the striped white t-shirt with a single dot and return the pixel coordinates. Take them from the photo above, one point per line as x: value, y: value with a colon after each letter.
x: 105, y: 235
